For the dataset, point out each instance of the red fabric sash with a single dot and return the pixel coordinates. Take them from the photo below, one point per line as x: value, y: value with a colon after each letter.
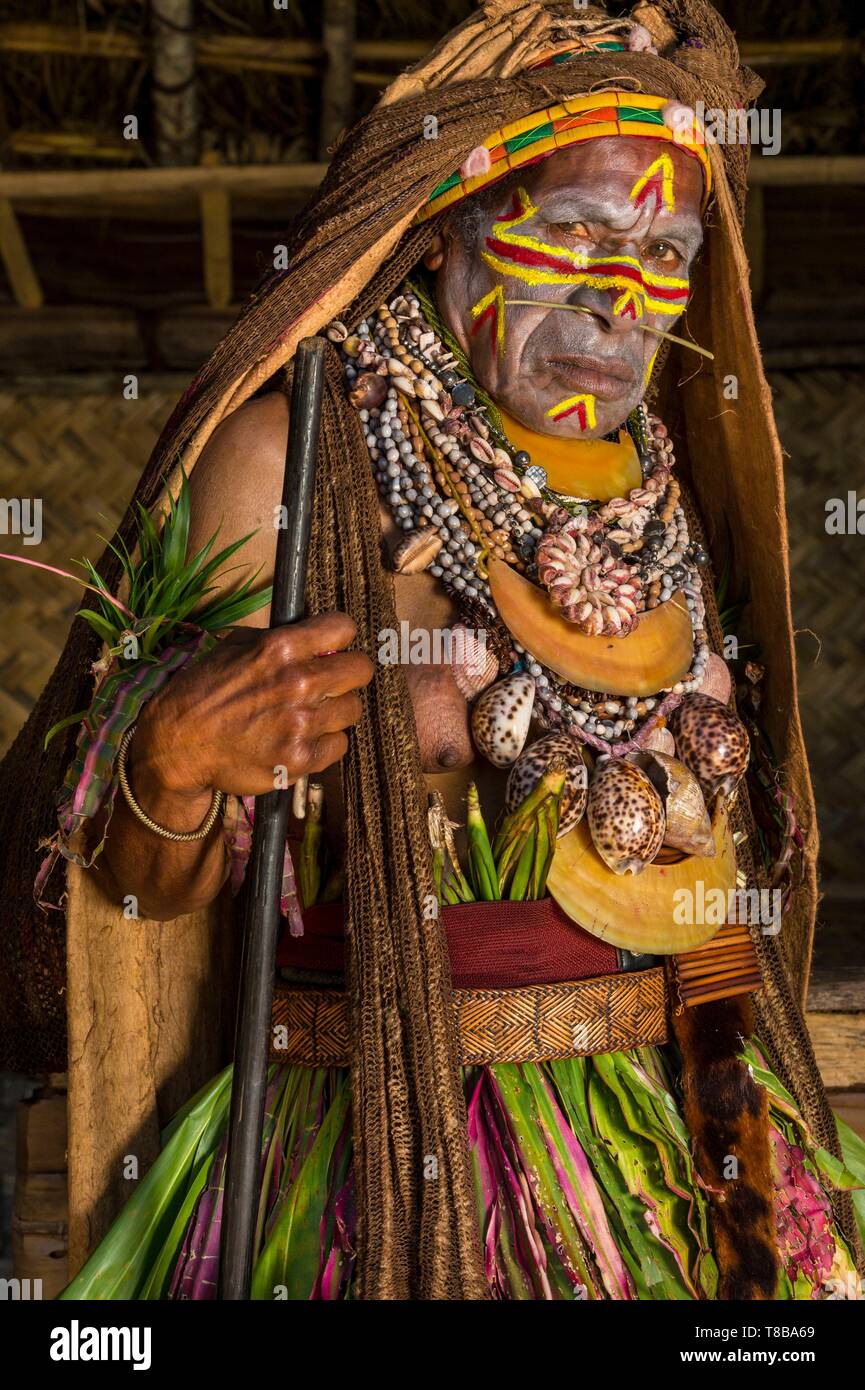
x: 491, y: 945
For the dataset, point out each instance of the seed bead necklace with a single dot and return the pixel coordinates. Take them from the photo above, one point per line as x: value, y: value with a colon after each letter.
x: 456, y: 485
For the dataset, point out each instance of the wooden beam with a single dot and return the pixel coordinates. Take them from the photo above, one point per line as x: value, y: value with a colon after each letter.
x: 839, y: 1046
x: 68, y: 38
x: 215, y: 205
x: 69, y: 339
x: 337, y: 88
x: 836, y: 1021
x: 838, y: 991
x: 246, y: 51
x: 59, y: 344
x: 175, y: 92
x: 850, y: 1106
x: 87, y: 185
x: 805, y: 170
x: 184, y: 337
x: 19, y: 268
x: 773, y: 53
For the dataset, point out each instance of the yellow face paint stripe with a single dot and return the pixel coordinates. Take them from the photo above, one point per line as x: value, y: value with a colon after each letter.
x: 535, y: 275
x: 503, y: 230
x: 582, y: 262
x: 658, y: 179
x: 491, y: 309
x: 510, y: 253
x: 629, y: 301
x: 582, y: 406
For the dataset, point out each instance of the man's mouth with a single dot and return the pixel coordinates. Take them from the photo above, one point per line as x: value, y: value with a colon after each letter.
x: 608, y: 378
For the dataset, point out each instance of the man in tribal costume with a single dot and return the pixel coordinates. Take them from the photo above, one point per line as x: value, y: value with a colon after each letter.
x: 580, y: 1092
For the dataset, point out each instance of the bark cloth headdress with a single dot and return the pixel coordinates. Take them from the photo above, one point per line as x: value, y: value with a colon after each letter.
x: 148, y: 1005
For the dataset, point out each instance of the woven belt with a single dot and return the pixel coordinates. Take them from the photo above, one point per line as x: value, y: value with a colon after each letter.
x: 533, y: 1024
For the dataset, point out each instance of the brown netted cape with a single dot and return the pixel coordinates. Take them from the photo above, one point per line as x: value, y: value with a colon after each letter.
x: 148, y: 1004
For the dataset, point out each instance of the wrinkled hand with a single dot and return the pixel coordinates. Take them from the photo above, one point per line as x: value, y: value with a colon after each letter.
x: 261, y: 700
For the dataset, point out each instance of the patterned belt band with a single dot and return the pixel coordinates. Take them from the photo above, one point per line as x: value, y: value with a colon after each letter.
x: 535, y: 1023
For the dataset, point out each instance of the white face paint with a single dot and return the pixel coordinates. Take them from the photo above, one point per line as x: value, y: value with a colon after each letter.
x: 610, y: 225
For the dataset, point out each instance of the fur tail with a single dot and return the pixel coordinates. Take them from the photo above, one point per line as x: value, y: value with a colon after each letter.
x: 727, y: 1115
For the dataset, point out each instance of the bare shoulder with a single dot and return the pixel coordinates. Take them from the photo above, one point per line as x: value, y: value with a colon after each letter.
x: 241, y: 461
x: 237, y: 483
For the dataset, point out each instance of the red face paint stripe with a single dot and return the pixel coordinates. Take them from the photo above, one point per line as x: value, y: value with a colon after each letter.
x: 578, y: 410
x: 490, y: 315
x: 515, y: 210
x: 653, y: 187
x: 653, y: 290
x: 627, y: 272
x: 526, y: 255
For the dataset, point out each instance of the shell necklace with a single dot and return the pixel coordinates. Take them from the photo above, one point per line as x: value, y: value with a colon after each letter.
x: 467, y: 498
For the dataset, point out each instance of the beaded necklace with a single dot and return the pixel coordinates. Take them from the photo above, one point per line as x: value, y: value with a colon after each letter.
x: 463, y: 493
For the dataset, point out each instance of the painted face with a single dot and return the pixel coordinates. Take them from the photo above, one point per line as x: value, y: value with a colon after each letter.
x: 612, y: 225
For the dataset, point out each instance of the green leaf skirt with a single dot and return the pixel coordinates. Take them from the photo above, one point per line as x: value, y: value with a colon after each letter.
x: 583, y: 1176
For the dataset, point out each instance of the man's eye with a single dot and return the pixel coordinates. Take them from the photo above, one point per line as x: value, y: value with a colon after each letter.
x: 571, y: 231
x: 663, y: 253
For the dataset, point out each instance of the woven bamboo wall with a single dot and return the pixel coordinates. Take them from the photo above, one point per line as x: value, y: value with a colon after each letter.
x: 82, y: 454
x: 819, y: 418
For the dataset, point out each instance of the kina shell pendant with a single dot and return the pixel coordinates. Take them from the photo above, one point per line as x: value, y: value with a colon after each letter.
x: 531, y: 765
x: 626, y: 817
x: 501, y: 719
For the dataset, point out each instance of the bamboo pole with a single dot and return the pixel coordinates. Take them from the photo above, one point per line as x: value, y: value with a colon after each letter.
x: 337, y: 88
x: 781, y: 52
x: 175, y: 94
x: 721, y: 942
x: 16, y: 258
x: 75, y: 185
x: 244, y: 51
x: 723, y: 963
x: 215, y: 205
x: 56, y: 185
x: 805, y: 170
x: 68, y: 38
x: 727, y: 989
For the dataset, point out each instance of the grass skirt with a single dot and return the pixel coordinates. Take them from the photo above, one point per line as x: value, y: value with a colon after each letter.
x: 583, y: 1176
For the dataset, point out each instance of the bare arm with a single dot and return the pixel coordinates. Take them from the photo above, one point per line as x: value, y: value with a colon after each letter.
x: 261, y: 700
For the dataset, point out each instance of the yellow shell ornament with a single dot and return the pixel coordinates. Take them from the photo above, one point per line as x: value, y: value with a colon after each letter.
x: 648, y: 912
x: 653, y: 657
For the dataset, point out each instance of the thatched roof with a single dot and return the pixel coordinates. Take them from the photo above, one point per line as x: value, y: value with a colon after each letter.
x: 64, y: 108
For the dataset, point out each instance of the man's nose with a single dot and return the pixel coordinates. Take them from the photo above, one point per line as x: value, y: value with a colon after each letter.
x: 602, y: 304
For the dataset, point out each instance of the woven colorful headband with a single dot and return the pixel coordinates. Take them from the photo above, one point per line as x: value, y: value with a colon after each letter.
x: 535, y: 137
